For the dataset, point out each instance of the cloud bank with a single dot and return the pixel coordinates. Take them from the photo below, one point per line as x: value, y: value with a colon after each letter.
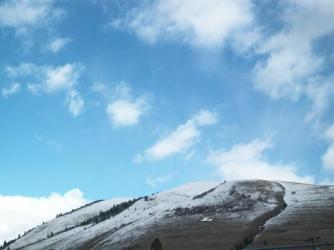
x: 21, y: 213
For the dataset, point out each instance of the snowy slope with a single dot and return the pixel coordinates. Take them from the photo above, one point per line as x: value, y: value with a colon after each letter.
x: 203, y: 215
x: 309, y: 214
x: 66, y: 221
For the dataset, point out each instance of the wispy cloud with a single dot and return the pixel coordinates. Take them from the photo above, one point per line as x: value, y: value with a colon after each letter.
x: 74, y: 102
x: 328, y: 157
x: 58, y: 44
x: 25, y: 15
x: 158, y: 180
x: 198, y: 23
x: 98, y: 87
x: 125, y: 109
x: 181, y: 140
x: 11, y: 90
x: 47, y: 78
x: 248, y: 161
x: 50, y: 79
x: 21, y: 213
x: 60, y: 78
x: 52, y: 144
x: 320, y: 92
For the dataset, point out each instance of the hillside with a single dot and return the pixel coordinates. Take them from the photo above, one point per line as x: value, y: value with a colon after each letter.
x: 203, y: 215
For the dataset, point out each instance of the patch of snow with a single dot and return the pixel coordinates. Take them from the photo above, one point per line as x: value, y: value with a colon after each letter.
x: 207, y: 219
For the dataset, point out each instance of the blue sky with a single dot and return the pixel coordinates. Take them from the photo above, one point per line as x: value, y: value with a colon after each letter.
x: 124, y: 98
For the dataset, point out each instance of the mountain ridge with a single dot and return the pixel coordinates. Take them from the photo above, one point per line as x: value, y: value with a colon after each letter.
x: 202, y: 215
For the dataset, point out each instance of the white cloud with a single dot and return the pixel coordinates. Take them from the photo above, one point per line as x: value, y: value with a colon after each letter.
x: 158, y: 180
x: 125, y: 113
x: 11, y: 90
x: 201, y: 23
x: 125, y: 110
x: 22, y: 15
x: 180, y: 140
x: 204, y: 118
x: 248, y: 161
x: 48, y: 78
x: 20, y: 213
x: 59, y: 43
x: 62, y: 77
x: 291, y: 59
x: 74, y: 102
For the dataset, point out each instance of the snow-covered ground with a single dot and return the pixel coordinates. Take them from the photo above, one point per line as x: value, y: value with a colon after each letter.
x: 69, y: 220
x: 300, y: 196
x: 201, y: 204
x: 309, y: 213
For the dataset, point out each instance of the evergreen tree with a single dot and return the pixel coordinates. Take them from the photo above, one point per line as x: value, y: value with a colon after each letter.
x: 156, y: 245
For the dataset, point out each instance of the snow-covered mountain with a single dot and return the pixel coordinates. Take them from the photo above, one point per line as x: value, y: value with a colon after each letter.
x: 202, y: 215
